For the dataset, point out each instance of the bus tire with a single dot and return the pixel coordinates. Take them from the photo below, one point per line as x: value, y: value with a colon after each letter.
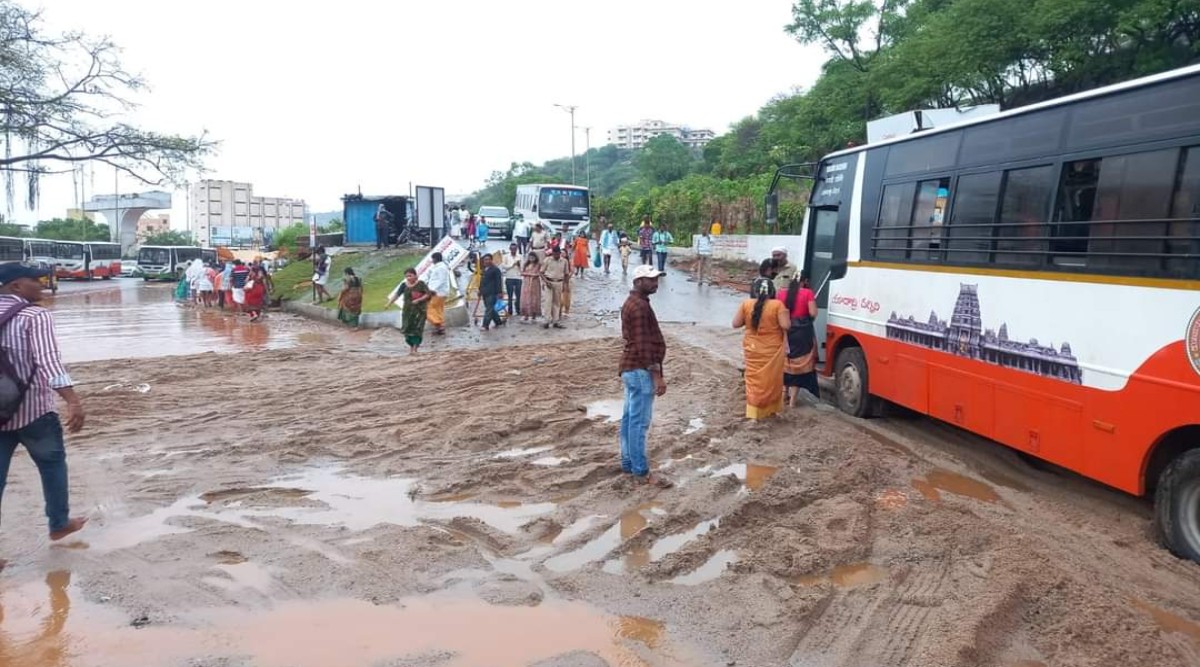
x: 1177, y: 506
x: 850, y: 376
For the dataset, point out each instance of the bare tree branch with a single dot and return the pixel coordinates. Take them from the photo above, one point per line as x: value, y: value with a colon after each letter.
x: 59, y: 97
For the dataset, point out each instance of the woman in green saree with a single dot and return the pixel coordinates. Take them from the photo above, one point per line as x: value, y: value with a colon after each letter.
x: 351, y: 298
x: 416, y: 299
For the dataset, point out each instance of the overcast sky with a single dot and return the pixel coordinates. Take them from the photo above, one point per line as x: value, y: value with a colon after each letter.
x: 315, y: 99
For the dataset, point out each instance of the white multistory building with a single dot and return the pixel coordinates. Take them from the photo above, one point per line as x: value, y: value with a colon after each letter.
x: 634, y: 137
x: 228, y: 213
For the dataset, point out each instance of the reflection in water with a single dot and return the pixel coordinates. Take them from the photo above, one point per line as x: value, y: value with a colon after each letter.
x: 631, y: 523
x: 852, y: 575
x: 130, y: 318
x: 320, y: 633
x: 710, y: 570
x: 753, y: 475
x: 951, y: 482
x: 44, y: 645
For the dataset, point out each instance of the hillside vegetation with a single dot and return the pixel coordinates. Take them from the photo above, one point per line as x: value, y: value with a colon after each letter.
x: 883, y: 58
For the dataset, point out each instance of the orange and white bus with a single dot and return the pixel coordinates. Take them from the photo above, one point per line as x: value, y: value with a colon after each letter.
x: 1033, y: 277
x: 84, y: 261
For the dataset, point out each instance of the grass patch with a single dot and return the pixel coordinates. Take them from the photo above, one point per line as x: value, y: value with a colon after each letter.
x: 380, y: 272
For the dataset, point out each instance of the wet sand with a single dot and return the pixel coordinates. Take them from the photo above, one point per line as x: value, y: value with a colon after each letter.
x: 339, y: 503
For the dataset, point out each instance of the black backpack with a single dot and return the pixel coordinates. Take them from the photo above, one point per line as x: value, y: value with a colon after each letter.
x: 12, y: 387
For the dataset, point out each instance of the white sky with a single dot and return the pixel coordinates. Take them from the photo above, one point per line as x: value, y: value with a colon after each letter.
x: 314, y: 99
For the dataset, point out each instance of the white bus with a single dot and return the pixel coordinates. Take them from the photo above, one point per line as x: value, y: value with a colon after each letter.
x: 1033, y: 277
x: 560, y: 208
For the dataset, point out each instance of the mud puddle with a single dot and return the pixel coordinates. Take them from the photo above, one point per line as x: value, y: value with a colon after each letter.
x: 939, y: 480
x: 49, y: 624
x: 641, y: 556
x: 753, y: 476
x: 609, y: 409
x: 317, y: 496
x: 711, y: 570
x: 852, y: 575
x: 131, y: 318
x: 630, y: 524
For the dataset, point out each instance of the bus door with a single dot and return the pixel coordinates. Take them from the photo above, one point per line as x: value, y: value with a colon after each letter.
x: 827, y: 242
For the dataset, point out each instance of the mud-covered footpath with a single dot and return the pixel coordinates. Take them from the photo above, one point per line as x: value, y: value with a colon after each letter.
x: 341, y: 503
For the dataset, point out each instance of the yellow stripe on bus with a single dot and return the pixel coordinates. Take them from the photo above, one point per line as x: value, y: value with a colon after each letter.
x: 1134, y: 281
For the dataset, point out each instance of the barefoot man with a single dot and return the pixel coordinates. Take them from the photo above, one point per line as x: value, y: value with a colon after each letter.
x: 27, y: 342
x: 641, y: 372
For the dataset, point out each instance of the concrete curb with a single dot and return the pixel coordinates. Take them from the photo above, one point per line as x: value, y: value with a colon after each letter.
x: 456, y: 316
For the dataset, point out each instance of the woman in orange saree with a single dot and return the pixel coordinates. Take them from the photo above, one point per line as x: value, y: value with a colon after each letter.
x: 765, y: 348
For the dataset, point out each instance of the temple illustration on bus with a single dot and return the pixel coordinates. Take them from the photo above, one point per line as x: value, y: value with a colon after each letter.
x: 965, y: 336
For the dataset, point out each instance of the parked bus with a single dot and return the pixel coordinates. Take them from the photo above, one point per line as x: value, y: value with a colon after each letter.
x: 560, y: 208
x: 1033, y: 277
x: 104, y: 259
x: 165, y: 262
x: 43, y: 253
x: 70, y: 260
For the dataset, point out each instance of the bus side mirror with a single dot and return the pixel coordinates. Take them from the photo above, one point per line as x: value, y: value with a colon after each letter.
x: 772, y: 205
x: 837, y: 270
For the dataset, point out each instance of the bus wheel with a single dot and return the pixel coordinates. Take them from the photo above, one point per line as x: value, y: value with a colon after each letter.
x: 1177, y: 506
x: 850, y: 374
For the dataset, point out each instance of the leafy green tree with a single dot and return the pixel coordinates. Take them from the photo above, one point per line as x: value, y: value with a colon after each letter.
x: 72, y: 230
x: 333, y: 226
x: 288, y: 236
x: 664, y: 159
x: 169, y: 237
x: 11, y: 229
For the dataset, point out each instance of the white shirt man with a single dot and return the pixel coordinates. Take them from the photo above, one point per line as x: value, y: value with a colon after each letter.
x: 438, y: 279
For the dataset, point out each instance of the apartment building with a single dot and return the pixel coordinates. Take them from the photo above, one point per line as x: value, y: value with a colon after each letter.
x: 228, y: 213
x: 153, y: 223
x: 634, y: 137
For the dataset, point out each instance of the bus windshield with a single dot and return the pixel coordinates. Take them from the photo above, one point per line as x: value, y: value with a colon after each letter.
x: 68, y: 250
x: 105, y: 250
x: 566, y: 203
x: 154, y: 256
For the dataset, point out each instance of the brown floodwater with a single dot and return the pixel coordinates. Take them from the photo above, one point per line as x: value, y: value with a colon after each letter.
x: 851, y: 575
x: 131, y: 318
x: 939, y: 480
x: 49, y: 623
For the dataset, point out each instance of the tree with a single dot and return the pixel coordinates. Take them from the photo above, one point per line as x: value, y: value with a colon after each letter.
x: 663, y: 159
x: 333, y: 226
x: 60, y: 95
x: 169, y: 237
x: 72, y: 230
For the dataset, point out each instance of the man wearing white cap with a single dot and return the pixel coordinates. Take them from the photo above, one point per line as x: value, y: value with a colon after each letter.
x: 641, y: 372
x: 784, y: 272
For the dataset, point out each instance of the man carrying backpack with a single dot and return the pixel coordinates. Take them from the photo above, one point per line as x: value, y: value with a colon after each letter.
x: 31, y: 373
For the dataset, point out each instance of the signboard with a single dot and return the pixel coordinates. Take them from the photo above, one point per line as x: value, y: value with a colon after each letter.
x: 431, y: 203
x: 312, y: 231
x: 453, y: 255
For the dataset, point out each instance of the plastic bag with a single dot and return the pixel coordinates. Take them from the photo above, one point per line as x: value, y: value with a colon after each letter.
x: 596, y: 261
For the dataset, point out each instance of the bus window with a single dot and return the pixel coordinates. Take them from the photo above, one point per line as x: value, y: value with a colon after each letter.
x: 928, y: 218
x: 1137, y: 188
x: 1023, y: 211
x: 1076, y: 207
x: 891, y: 240
x: 969, y: 235
x: 1185, y: 212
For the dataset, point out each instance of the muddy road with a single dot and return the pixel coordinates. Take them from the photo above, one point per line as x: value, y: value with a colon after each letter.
x: 336, y: 502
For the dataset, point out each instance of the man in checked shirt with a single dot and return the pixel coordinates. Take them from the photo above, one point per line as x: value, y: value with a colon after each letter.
x: 28, y: 341
x: 642, y: 373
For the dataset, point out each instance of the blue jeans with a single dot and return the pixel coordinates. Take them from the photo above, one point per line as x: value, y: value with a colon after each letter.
x: 662, y: 261
x: 43, y: 439
x: 635, y: 421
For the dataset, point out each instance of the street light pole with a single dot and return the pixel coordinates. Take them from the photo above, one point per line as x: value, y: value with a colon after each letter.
x: 587, y: 155
x: 570, y: 108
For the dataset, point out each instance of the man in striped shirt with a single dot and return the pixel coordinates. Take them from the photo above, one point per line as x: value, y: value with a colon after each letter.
x: 28, y: 341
